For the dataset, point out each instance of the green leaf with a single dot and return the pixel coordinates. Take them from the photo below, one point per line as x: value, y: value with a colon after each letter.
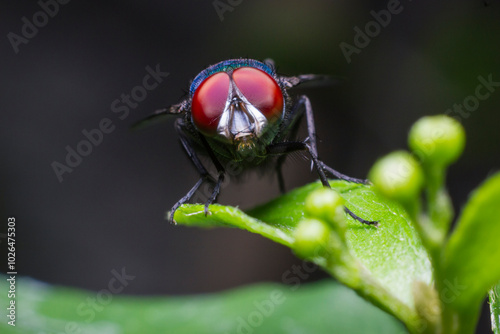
x: 267, y: 308
x: 471, y: 263
x: 392, y: 253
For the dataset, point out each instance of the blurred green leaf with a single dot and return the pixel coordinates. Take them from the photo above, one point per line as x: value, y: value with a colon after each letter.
x: 471, y: 263
x: 393, y: 252
x: 266, y: 308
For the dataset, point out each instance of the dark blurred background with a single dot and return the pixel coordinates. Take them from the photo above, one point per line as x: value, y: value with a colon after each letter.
x: 108, y: 213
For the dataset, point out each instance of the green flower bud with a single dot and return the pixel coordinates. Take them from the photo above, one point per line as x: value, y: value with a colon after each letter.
x: 325, y: 204
x: 437, y: 140
x: 398, y: 176
x: 311, y: 238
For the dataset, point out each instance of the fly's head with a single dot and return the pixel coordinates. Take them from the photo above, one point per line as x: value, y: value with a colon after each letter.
x: 240, y: 103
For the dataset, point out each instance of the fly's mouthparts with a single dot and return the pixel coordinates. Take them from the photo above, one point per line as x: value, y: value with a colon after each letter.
x: 247, y: 146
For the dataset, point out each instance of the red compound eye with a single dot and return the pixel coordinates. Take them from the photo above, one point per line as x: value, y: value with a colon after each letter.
x: 209, y: 101
x: 261, y: 90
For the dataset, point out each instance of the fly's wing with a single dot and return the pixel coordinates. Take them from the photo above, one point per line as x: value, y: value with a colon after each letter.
x: 305, y: 80
x: 310, y: 80
x: 160, y: 115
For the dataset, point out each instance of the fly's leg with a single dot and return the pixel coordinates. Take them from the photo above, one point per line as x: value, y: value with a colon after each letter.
x: 289, y: 147
x: 204, y: 175
x: 281, y: 158
x: 288, y: 130
x: 320, y: 166
x: 311, y: 130
x: 184, y: 199
x: 311, y: 148
x: 341, y: 176
x: 279, y: 173
x: 220, y: 174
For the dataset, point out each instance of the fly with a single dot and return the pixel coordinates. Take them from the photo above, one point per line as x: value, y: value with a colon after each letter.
x: 239, y: 111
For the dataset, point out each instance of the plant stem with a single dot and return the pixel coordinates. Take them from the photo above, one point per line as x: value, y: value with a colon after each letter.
x: 438, y: 201
x: 494, y: 294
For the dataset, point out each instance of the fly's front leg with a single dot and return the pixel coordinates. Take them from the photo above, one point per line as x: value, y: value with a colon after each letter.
x: 183, y: 200
x: 204, y: 175
x: 220, y: 174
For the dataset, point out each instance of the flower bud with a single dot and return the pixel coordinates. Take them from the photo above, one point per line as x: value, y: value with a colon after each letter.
x: 437, y: 140
x: 397, y: 176
x: 311, y: 238
x: 325, y: 204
